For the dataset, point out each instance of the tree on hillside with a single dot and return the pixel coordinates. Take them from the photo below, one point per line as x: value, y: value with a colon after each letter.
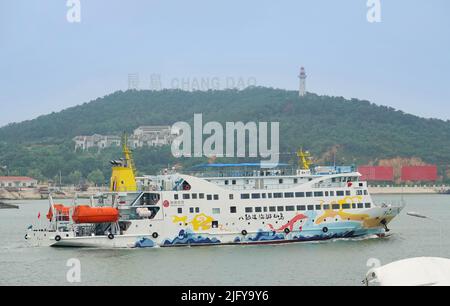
x: 36, y: 174
x: 74, y: 177
x: 96, y: 177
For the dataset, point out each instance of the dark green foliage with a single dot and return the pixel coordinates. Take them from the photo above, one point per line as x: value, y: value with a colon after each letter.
x: 364, y: 131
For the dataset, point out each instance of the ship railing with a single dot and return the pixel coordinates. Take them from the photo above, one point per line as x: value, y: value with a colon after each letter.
x: 330, y: 185
x: 243, y: 173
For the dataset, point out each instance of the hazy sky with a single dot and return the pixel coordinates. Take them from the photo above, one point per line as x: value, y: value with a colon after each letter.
x: 48, y: 64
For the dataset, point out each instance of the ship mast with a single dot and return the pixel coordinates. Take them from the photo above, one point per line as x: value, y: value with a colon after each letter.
x: 304, y: 161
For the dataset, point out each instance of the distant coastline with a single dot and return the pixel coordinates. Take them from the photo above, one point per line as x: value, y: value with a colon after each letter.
x: 7, y: 206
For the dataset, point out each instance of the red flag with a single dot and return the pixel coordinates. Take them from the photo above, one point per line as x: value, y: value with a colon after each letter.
x: 39, y: 215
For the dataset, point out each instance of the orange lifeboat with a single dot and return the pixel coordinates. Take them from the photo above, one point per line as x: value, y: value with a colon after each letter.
x: 87, y: 214
x: 62, y: 212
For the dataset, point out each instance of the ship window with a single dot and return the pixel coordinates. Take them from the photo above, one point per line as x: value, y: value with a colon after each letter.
x: 347, y: 192
x: 245, y: 196
x: 265, y: 209
x: 191, y: 210
x: 290, y: 208
x: 309, y: 194
x: 301, y: 207
x: 186, y: 196
x: 339, y: 193
x: 360, y: 205
x: 226, y: 182
x: 365, y: 192
x: 331, y: 193
x: 346, y: 206
x: 299, y: 194
x: 231, y: 196
x: 197, y: 210
x: 209, y: 197
x: 336, y: 206
x: 201, y: 195
x: 149, y: 199
x: 258, y: 209
x: 216, y: 197
x: 310, y: 207
x: 233, y: 209
x: 256, y: 195
x: 326, y: 193
x: 318, y: 194
x: 277, y: 195
x: 249, y: 209
x: 280, y: 181
x: 216, y: 211
x: 280, y: 208
x: 295, y: 181
x: 367, y: 205
x: 353, y: 205
x: 233, y: 182
x: 326, y: 206
x: 318, y: 207
x: 359, y: 192
x: 214, y: 224
x: 361, y: 184
x: 175, y: 196
x: 269, y: 195
x: 180, y: 210
x: 194, y: 196
x: 272, y: 208
x: 288, y: 194
x: 264, y: 195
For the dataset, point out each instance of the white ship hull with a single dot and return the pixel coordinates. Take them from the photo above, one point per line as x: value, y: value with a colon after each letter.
x: 315, y: 208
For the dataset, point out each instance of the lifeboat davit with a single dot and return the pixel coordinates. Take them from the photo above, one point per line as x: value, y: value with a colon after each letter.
x: 62, y: 212
x: 87, y: 214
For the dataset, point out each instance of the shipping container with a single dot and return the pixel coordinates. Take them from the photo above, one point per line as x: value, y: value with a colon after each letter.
x: 376, y: 173
x: 419, y: 173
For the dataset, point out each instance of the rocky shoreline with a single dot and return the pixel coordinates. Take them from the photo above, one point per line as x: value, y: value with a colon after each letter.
x: 8, y: 206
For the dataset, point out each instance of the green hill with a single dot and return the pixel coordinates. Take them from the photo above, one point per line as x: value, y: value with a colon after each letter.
x: 362, y: 132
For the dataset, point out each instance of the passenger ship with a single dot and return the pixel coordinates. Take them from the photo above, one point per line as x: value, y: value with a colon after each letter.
x: 235, y: 204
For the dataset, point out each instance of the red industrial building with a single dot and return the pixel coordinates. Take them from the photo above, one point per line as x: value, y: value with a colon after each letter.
x: 376, y: 173
x: 419, y: 173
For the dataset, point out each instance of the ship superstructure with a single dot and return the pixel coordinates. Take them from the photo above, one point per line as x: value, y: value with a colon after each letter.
x: 217, y: 204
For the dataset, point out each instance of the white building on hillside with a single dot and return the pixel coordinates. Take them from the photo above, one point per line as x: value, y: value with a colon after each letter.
x: 17, y: 182
x: 143, y: 136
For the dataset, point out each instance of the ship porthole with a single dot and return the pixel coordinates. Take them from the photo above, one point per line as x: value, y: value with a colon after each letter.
x: 286, y: 230
x: 111, y: 236
x: 57, y: 238
x: 325, y: 229
x: 155, y: 235
x: 244, y: 233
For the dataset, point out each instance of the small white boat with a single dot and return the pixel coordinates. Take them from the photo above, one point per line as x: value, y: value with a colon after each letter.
x: 421, y: 271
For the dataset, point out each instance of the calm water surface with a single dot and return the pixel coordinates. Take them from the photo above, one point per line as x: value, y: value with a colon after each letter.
x: 325, y: 263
